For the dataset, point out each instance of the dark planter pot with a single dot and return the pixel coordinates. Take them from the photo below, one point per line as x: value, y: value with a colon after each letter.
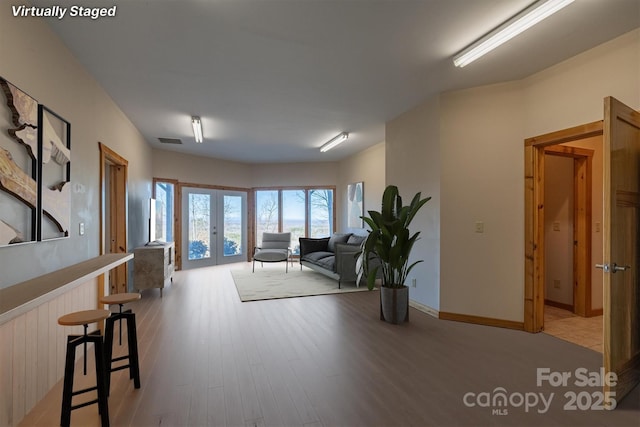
x: 394, y: 304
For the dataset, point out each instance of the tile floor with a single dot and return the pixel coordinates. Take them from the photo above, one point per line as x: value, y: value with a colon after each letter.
x: 584, y: 331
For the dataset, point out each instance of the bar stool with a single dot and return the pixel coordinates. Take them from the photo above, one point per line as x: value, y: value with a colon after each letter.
x: 132, y: 337
x: 84, y: 318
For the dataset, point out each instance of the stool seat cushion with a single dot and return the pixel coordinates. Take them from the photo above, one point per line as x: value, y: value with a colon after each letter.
x: 83, y: 317
x: 120, y: 298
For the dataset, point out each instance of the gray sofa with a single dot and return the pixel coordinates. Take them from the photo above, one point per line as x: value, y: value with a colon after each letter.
x: 333, y: 256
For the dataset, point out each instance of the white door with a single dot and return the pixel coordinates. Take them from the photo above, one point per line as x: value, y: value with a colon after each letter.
x: 214, y: 224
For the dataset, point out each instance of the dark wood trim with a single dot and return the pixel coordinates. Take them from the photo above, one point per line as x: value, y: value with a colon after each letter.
x: 479, y: 320
x: 561, y: 305
x: 566, y: 135
x: 595, y: 312
x: 118, y: 193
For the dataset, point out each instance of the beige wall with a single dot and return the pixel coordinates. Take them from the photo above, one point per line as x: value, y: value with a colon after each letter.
x: 200, y: 170
x: 413, y: 164
x: 34, y: 59
x: 482, y: 181
x: 475, y: 148
x: 558, y: 228
x: 368, y: 167
x: 209, y: 171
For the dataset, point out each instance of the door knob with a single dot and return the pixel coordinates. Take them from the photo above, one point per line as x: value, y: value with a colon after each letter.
x: 612, y: 268
x: 620, y: 267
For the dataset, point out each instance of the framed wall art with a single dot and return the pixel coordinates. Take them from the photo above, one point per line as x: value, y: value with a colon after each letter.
x: 35, y: 169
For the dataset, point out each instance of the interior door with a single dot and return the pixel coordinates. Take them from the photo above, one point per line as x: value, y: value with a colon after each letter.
x: 621, y: 241
x: 214, y: 227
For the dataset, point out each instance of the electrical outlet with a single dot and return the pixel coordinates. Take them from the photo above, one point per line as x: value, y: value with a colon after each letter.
x: 556, y: 284
x: 81, y: 229
x: 413, y: 282
x: 479, y: 227
x: 597, y: 227
x: 556, y: 226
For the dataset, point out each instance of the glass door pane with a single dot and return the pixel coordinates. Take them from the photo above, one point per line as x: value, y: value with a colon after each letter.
x: 294, y: 214
x: 233, y: 225
x: 198, y: 228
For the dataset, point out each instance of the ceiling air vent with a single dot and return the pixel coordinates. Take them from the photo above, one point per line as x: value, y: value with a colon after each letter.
x: 170, y: 140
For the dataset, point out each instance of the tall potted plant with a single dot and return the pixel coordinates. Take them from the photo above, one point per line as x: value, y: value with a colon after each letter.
x: 386, y: 250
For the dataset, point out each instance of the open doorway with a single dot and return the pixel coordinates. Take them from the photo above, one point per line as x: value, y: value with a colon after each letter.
x: 572, y: 236
x: 620, y: 132
x: 563, y: 290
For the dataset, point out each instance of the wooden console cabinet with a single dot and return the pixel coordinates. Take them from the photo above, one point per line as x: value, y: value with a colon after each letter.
x: 153, y: 266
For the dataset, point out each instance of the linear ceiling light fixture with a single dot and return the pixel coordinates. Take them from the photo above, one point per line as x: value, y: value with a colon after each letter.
x: 197, y: 128
x: 334, y: 141
x: 511, y: 28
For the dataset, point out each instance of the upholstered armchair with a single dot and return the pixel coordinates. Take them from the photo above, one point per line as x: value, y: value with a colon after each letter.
x: 275, y: 247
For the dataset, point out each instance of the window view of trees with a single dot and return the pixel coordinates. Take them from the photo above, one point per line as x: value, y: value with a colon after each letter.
x: 266, y: 213
x: 294, y: 216
x: 232, y: 217
x: 199, y: 226
x: 303, y: 212
x: 321, y: 213
x: 164, y: 210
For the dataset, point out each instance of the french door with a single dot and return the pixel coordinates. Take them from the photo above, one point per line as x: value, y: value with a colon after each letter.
x: 214, y: 224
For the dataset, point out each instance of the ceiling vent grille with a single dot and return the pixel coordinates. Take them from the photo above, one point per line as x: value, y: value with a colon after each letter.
x: 170, y: 140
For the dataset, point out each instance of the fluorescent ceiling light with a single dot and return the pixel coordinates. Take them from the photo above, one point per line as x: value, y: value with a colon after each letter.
x: 511, y: 28
x: 197, y: 128
x: 334, y: 141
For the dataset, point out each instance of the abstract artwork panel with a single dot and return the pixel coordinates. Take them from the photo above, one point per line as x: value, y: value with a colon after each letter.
x: 355, y: 205
x: 18, y: 165
x: 55, y: 160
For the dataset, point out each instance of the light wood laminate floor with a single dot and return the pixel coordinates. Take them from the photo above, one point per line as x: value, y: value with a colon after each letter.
x: 208, y: 359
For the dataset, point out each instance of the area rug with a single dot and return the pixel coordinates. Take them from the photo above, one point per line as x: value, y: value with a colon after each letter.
x: 267, y: 283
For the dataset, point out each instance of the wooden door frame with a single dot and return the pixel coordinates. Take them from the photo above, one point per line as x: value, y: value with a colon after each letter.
x: 534, y: 151
x: 111, y: 158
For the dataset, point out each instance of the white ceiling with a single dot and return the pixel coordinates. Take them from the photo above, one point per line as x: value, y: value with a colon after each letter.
x: 275, y: 79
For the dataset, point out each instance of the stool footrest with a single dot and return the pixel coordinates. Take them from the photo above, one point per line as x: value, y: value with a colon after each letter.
x: 117, y: 359
x: 119, y: 368
x: 84, y: 390
x: 82, y: 405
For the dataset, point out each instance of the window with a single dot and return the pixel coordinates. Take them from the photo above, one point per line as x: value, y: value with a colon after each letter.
x: 164, y: 195
x: 267, y: 208
x: 294, y: 203
x: 302, y: 211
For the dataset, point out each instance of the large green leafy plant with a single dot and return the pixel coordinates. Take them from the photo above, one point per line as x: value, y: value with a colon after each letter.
x: 388, y: 245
